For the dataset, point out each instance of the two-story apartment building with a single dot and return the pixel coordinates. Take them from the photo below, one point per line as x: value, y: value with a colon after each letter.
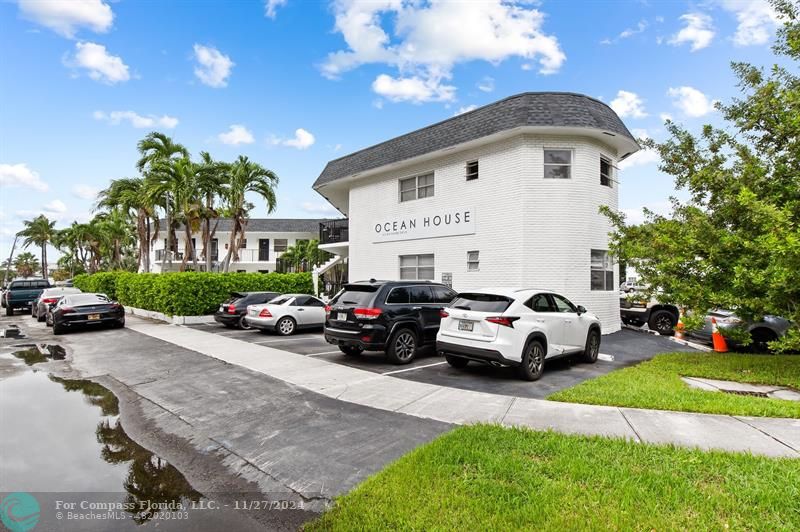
x: 505, y: 195
x: 266, y: 239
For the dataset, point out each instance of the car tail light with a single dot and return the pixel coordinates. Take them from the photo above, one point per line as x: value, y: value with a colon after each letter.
x: 231, y: 309
x: 50, y: 300
x: 365, y: 338
x: 65, y: 310
x: 444, y: 313
x: 367, y: 313
x: 327, y: 311
x: 265, y: 313
x: 506, y: 321
x: 115, y: 306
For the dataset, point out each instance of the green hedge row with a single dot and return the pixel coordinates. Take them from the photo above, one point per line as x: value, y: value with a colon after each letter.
x: 187, y: 293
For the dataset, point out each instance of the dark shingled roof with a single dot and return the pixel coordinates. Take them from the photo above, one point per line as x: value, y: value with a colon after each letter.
x: 548, y: 109
x: 270, y: 225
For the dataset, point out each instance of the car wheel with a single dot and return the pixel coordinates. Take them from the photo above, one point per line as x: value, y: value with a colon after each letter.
x: 243, y: 324
x: 663, y: 322
x: 9, y: 311
x: 402, y: 347
x: 286, y: 326
x: 456, y: 362
x: 32, y: 313
x: 48, y: 320
x: 761, y: 339
x: 532, y: 365
x: 57, y: 329
x: 351, y: 350
x: 592, y: 347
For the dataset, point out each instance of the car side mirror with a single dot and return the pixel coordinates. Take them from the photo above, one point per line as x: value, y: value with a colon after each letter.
x: 581, y: 310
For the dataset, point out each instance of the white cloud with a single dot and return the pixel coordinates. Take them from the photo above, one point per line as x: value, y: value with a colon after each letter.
x: 630, y: 32
x: 699, y: 31
x: 757, y: 21
x: 237, y: 134
x: 465, y: 109
x: 429, y: 38
x: 665, y: 116
x: 319, y: 208
x: 413, y: 89
x: 302, y: 140
x: 101, y: 65
x: 66, y: 16
x: 271, y: 7
x: 19, y: 175
x: 486, y: 84
x: 628, y: 104
x: 55, y: 207
x: 136, y: 120
x: 86, y: 192
x: 691, y: 101
x: 641, y: 157
x: 213, y: 66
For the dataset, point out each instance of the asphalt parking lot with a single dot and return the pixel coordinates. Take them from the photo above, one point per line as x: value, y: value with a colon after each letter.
x: 619, y: 349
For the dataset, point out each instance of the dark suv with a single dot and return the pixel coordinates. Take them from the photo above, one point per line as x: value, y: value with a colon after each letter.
x: 397, y: 317
x: 232, y: 311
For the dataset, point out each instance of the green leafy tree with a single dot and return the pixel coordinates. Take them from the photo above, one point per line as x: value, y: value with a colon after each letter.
x: 40, y: 232
x: 212, y: 178
x: 26, y: 264
x: 304, y: 256
x: 735, y: 243
x: 130, y: 195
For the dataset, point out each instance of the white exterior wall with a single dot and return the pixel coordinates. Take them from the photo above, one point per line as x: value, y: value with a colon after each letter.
x: 530, y: 231
x: 223, y: 238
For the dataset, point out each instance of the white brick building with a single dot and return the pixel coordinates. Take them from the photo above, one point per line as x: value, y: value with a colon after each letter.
x: 506, y: 195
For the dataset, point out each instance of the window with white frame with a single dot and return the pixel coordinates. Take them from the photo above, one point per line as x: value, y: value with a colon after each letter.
x: 606, y: 172
x: 557, y: 163
x: 473, y: 261
x: 281, y: 244
x: 416, y: 267
x: 416, y: 187
x: 602, y: 270
x: 472, y: 170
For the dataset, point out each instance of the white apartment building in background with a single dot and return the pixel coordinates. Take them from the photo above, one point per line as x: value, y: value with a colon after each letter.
x: 507, y: 195
x: 266, y: 239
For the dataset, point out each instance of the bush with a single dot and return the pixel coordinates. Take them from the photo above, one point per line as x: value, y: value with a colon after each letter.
x: 187, y: 293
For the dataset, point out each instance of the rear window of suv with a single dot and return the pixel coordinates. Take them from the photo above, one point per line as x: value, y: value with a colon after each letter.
x: 482, y: 302
x: 359, y: 295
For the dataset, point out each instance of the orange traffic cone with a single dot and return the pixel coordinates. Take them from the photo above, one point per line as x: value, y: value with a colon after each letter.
x: 720, y: 345
x: 680, y: 328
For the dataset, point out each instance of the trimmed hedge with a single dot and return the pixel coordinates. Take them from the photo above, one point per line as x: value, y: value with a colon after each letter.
x: 187, y: 293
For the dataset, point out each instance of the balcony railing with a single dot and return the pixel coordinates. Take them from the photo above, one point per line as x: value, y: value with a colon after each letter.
x: 334, y: 231
x: 178, y: 256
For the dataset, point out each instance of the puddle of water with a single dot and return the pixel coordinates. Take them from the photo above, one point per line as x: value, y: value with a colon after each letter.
x: 66, y: 436
x: 30, y: 356
x: 38, y: 354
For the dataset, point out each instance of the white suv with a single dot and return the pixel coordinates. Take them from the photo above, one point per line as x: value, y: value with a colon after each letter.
x: 522, y: 328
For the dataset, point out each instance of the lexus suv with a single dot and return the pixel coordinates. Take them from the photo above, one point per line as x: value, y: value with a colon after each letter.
x: 520, y: 328
x: 397, y: 317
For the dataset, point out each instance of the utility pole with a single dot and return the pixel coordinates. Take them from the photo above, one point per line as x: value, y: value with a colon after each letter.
x: 10, y: 257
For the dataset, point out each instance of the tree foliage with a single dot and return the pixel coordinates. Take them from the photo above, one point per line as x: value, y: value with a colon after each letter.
x: 735, y: 242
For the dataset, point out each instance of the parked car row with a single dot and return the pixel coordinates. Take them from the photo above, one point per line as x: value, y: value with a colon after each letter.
x: 284, y: 314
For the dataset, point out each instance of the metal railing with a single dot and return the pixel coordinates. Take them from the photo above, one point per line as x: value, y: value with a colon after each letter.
x: 334, y: 231
x: 178, y: 255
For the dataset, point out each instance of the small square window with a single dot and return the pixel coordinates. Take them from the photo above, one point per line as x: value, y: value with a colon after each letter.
x: 416, y: 267
x: 473, y: 261
x: 605, y: 172
x: 472, y: 170
x: 243, y: 243
x: 281, y: 244
x: 557, y: 164
x: 416, y: 187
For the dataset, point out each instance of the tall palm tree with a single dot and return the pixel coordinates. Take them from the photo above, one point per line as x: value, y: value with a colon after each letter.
x: 246, y: 176
x: 116, y: 234
x: 155, y: 149
x: 26, y: 264
x: 179, y: 178
x: 130, y: 195
x: 39, y: 231
x: 212, y: 178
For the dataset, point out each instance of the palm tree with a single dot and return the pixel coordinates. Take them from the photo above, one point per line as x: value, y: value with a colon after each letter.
x: 154, y: 149
x: 39, y: 231
x: 212, y: 177
x: 246, y: 176
x: 130, y: 195
x: 179, y: 177
x: 26, y: 264
x: 117, y: 233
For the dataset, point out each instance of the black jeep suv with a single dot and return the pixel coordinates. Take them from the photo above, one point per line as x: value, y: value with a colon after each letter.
x: 397, y: 317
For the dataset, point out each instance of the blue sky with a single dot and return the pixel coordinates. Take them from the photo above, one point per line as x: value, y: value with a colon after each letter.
x: 293, y: 84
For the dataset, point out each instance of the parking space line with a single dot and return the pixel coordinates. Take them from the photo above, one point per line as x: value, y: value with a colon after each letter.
x: 412, y: 369
x: 281, y: 340
x: 324, y: 353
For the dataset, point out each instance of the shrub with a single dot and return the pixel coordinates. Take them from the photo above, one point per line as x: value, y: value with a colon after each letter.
x: 187, y: 293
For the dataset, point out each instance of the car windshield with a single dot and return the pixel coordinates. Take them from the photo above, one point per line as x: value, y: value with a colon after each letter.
x: 55, y: 292
x: 85, y: 299
x: 482, y: 302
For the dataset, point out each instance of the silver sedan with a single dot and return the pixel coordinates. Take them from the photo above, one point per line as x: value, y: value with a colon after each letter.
x: 287, y: 313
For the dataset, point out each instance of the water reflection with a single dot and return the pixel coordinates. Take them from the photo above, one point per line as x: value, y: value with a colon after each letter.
x: 150, y: 479
x: 41, y: 353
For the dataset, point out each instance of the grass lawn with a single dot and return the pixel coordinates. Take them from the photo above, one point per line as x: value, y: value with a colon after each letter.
x: 485, y: 477
x: 656, y: 384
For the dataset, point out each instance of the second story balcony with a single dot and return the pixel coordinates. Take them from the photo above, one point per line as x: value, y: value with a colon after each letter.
x: 334, y: 232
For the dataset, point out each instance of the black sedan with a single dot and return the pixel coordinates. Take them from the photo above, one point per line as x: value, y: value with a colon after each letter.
x: 231, y: 312
x: 86, y: 310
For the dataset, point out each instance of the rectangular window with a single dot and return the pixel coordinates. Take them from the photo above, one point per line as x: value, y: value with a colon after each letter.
x: 243, y: 243
x: 417, y: 187
x: 281, y: 244
x: 473, y: 261
x: 472, y: 170
x: 416, y: 267
x: 602, y: 270
x: 605, y: 172
x: 557, y: 164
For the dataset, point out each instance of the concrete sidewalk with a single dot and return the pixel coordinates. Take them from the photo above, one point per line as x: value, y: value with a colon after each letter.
x: 764, y: 436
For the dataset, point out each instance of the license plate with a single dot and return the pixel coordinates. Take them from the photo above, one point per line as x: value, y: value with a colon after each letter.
x: 93, y: 317
x: 254, y: 313
x: 341, y: 316
x: 222, y: 308
x: 465, y: 325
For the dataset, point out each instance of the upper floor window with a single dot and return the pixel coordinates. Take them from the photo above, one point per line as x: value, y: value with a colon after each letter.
x: 416, y: 187
x: 281, y: 244
x: 557, y: 164
x: 606, y: 171
x: 602, y: 270
x: 472, y: 170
